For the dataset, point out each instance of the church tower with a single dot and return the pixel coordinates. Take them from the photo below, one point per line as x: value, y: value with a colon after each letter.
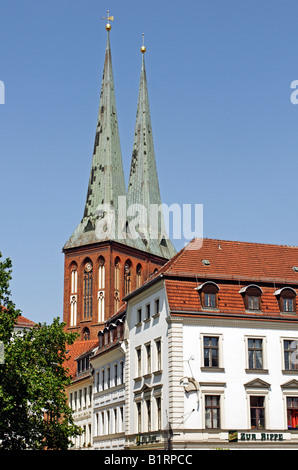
x: 103, y: 262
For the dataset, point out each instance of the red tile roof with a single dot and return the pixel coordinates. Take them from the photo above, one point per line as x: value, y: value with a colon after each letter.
x: 232, y: 265
x: 235, y: 260
x: 24, y: 322
x: 75, y: 350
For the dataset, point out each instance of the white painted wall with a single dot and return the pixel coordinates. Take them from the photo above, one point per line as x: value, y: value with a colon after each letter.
x: 235, y: 405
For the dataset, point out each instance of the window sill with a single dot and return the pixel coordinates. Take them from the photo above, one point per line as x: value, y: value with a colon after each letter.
x: 136, y: 379
x: 138, y: 324
x: 157, y: 372
x: 257, y: 371
x: 212, y: 369
x: 290, y: 371
x: 147, y: 320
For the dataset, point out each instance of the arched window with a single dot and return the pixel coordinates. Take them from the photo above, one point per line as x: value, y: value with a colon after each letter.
x: 101, y: 290
x: 252, y: 297
x: 73, y: 293
x: 286, y: 299
x: 208, y: 294
x: 117, y: 284
x: 139, y: 275
x: 86, y: 334
x: 101, y: 273
x: 74, y: 279
x: 73, y: 310
x: 127, y: 277
x: 88, y: 288
x: 116, y: 273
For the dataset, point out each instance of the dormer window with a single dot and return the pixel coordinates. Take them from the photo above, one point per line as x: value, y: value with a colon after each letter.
x: 208, y: 294
x: 287, y: 299
x: 252, y: 297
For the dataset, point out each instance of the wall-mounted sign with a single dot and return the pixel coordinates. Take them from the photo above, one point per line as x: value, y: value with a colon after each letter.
x: 235, y: 436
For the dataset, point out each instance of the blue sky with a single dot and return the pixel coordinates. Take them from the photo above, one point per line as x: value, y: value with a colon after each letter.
x: 225, y: 131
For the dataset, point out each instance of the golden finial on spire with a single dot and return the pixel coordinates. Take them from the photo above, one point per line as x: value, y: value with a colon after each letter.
x: 109, y: 18
x: 143, y: 48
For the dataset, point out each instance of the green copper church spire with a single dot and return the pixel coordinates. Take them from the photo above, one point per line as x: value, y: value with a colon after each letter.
x: 106, y: 180
x: 143, y: 187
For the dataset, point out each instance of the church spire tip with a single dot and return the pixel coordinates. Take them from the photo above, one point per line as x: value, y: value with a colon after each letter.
x: 109, y: 18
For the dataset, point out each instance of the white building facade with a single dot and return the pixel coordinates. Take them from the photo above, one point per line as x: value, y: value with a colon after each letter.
x: 108, y: 369
x: 212, y: 364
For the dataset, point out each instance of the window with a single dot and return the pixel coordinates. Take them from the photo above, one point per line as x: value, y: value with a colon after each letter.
x: 148, y: 406
x: 86, y: 334
x: 255, y: 353
x: 139, y: 414
x: 115, y: 420
x: 148, y: 358
x: 117, y: 284
x: 116, y: 374
x: 108, y: 377
x: 147, y: 317
x: 212, y: 411
x: 127, y: 277
x: 156, y: 307
x: 73, y: 296
x: 88, y: 287
x: 257, y: 412
x: 139, y: 362
x: 292, y: 412
x: 208, y: 294
x: 74, y: 279
x: 73, y: 310
x: 121, y: 372
x: 139, y: 275
x: 101, y: 291
x: 286, y: 298
x: 101, y: 273
x: 121, y: 418
x: 139, y: 315
x: 290, y: 354
x: 252, y: 297
x: 103, y: 379
x: 158, y: 408
x: 211, y: 351
x: 158, y: 354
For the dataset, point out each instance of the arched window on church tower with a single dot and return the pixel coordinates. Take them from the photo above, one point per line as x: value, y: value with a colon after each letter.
x: 86, y: 334
x: 101, y: 290
x: 127, y: 277
x: 139, y: 275
x: 117, y: 284
x: 73, y: 293
x: 88, y: 288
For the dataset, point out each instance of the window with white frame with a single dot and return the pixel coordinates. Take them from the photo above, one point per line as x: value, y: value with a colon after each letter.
x: 158, y: 358
x: 211, y: 350
x: 139, y: 361
x: 290, y: 354
x: 256, y: 353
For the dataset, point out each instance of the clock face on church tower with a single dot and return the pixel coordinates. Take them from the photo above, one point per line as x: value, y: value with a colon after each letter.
x: 88, y: 267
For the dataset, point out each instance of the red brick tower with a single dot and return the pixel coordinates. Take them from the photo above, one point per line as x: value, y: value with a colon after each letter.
x: 102, y: 262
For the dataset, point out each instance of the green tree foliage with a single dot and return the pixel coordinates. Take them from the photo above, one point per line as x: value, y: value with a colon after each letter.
x: 34, y: 413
